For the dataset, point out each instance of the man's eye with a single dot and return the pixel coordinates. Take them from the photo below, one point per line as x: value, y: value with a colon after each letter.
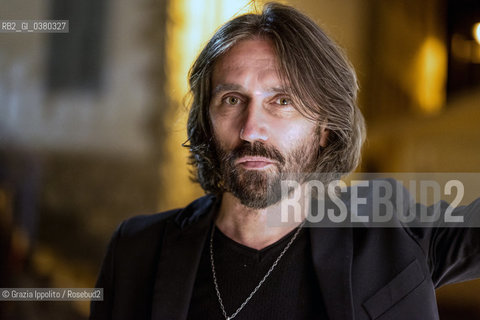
x: 283, y: 101
x: 232, y: 100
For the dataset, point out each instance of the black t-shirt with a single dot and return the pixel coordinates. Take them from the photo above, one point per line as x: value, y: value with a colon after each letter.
x: 290, y: 292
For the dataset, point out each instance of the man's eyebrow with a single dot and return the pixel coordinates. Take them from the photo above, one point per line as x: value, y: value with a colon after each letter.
x: 232, y: 86
x: 280, y: 89
x: 226, y: 87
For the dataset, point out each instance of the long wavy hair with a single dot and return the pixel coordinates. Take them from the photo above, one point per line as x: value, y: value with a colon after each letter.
x: 322, y: 81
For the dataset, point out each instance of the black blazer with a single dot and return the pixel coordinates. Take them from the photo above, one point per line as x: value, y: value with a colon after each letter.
x: 364, y: 273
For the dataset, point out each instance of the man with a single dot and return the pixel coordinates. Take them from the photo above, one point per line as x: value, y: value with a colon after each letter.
x: 274, y: 99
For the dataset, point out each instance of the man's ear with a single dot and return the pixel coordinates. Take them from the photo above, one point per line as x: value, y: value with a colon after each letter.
x: 324, y: 136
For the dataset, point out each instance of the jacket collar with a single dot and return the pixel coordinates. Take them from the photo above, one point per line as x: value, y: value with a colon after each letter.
x: 181, y: 249
x: 183, y: 242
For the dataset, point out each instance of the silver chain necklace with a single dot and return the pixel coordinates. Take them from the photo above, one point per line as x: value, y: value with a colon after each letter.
x: 261, y: 281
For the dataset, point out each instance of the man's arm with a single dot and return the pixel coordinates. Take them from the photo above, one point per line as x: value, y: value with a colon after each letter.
x: 453, y: 252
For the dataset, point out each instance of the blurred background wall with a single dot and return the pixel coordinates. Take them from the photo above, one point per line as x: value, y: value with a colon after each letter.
x: 91, y: 122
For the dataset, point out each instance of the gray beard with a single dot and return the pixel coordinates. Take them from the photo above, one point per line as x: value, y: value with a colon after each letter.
x: 258, y: 189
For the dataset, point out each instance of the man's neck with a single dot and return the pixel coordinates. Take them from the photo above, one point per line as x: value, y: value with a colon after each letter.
x: 254, y: 228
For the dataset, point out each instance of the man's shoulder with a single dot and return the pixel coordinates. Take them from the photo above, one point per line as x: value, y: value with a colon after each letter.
x: 151, y: 224
x: 142, y: 223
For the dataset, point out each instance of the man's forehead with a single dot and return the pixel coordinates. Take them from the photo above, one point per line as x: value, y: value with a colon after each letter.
x: 239, y: 62
x: 248, y: 64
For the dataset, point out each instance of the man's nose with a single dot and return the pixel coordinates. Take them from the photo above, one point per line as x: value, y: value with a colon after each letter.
x: 254, y: 124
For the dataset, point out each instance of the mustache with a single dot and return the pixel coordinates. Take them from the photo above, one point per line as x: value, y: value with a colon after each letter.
x: 257, y: 149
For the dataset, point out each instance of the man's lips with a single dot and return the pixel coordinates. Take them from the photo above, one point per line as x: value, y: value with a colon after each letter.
x: 254, y: 162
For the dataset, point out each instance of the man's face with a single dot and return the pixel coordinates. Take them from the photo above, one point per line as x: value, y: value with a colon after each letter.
x: 260, y: 137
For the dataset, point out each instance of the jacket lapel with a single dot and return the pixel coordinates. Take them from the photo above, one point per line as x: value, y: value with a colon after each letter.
x: 179, y: 258
x: 332, y: 258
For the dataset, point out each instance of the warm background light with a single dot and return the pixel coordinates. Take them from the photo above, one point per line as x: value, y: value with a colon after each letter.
x: 430, y: 75
x: 476, y: 32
